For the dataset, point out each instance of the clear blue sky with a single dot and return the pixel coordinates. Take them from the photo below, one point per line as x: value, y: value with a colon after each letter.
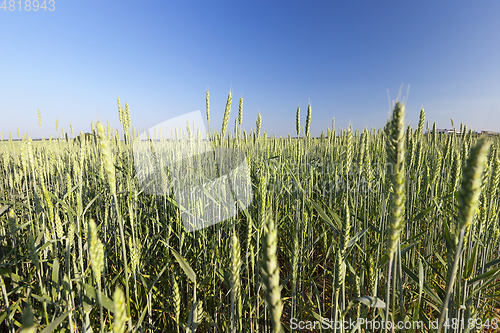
x: 162, y: 56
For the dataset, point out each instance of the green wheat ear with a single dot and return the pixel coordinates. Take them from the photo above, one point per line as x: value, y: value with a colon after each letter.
x: 176, y: 300
x: 240, y: 112
x: 395, y: 154
x: 225, y: 120
x: 471, y: 183
x: 308, y: 121
x: 420, y: 128
x: 258, y: 123
x: 236, y: 301
x: 107, y: 157
x: 120, y: 311
x: 207, y: 101
x: 96, y: 250
x: 135, y: 255
x: 297, y: 121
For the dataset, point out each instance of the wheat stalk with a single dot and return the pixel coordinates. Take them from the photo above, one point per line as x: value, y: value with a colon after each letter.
x: 270, y: 273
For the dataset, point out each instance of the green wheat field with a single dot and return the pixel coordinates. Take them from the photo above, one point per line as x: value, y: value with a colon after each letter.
x: 389, y: 224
